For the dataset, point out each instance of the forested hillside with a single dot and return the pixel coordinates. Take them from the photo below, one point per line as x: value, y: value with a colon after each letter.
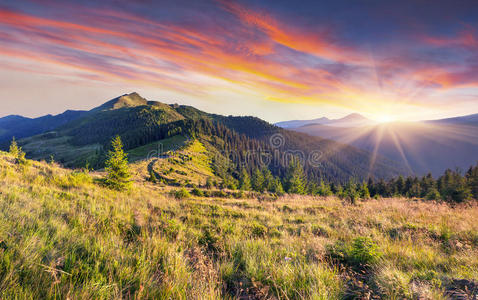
x: 238, y: 142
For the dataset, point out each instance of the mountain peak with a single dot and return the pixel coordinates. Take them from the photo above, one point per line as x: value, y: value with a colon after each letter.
x: 127, y: 100
x: 354, y: 116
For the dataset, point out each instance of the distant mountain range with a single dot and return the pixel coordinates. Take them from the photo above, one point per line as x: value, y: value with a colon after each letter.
x: 77, y: 138
x: 352, y: 120
x: 428, y: 146
x: 20, y: 127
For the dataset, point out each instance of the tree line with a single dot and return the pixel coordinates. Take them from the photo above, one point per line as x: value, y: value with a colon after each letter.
x: 452, y: 186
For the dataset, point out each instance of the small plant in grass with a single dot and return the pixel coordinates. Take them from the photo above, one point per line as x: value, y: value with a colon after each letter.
x: 209, y: 240
x: 182, y: 194
x: 118, y: 176
x: 362, y: 251
x: 258, y: 230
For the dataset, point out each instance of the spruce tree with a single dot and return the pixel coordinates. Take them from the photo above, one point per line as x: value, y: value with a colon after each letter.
x: 17, y: 152
x: 258, y: 181
x: 245, y: 180
x: 118, y: 176
x: 364, y: 191
x: 277, y: 187
x: 14, y: 148
x: 296, y: 181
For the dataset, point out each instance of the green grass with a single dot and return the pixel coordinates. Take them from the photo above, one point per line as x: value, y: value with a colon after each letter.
x: 44, y: 147
x: 190, y: 165
x: 64, y: 236
x: 156, y: 148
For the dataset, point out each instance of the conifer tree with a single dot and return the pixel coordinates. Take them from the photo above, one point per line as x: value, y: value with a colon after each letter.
x: 364, y: 191
x: 17, y: 152
x: 277, y: 187
x: 118, y: 176
x: 268, y: 179
x: 324, y: 189
x: 245, y: 180
x: 14, y: 148
x: 258, y: 181
x: 296, y: 181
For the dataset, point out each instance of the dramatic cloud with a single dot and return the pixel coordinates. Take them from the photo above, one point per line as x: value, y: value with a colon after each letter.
x: 278, y: 53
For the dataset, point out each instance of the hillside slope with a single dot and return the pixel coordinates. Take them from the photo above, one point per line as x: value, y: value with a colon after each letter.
x: 140, y: 123
x: 63, y: 235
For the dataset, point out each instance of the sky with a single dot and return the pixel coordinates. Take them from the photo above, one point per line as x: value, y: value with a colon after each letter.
x: 278, y: 60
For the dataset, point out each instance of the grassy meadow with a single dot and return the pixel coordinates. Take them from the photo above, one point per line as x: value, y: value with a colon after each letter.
x: 65, y: 236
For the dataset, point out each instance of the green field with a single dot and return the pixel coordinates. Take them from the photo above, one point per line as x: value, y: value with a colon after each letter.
x: 64, y: 236
x: 156, y: 149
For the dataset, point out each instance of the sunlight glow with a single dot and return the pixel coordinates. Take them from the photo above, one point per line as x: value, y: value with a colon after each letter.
x: 384, y: 118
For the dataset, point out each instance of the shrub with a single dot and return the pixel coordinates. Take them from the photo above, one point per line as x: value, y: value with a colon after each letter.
x: 152, y: 178
x: 363, y: 251
x: 239, y: 195
x: 209, y: 240
x: 220, y: 194
x: 197, y: 192
x: 320, y: 231
x: 182, y: 194
x: 258, y: 230
x: 76, y: 179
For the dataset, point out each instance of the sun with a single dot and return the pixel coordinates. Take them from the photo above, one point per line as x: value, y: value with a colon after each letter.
x: 384, y: 118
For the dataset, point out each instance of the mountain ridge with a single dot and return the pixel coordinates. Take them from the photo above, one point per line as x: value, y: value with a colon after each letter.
x: 85, y: 140
x: 353, y: 119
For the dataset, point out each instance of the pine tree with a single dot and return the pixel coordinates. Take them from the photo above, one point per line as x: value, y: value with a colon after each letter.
x: 277, y: 187
x: 296, y: 181
x: 14, y: 148
x: 472, y: 181
x: 17, y: 152
x: 399, y: 186
x: 245, y: 180
x: 258, y: 181
x: 268, y: 179
x: 364, y: 192
x: 118, y: 176
x: 324, y: 189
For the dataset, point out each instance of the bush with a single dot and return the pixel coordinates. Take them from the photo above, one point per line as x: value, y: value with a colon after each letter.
x: 209, y: 240
x: 239, y: 195
x: 152, y: 178
x: 258, y: 230
x: 182, y: 194
x: 219, y: 194
x: 363, y: 251
x: 197, y: 192
x: 77, y: 179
